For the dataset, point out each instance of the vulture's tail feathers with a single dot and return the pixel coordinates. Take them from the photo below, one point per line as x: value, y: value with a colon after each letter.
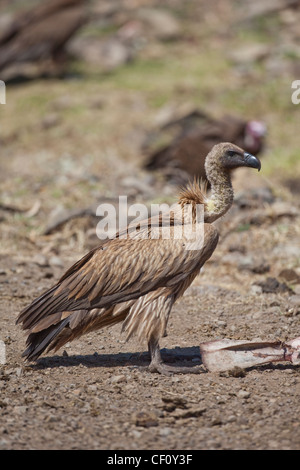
x: 38, y: 342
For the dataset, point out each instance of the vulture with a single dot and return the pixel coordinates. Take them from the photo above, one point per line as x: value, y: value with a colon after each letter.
x: 39, y: 35
x: 179, y: 148
x: 136, y: 277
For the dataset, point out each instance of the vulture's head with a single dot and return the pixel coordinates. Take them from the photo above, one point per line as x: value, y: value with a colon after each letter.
x: 254, y: 136
x: 225, y: 157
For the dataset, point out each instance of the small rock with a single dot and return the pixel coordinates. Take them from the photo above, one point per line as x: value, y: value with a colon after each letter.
x: 164, y: 432
x: 231, y: 419
x: 257, y: 314
x: 294, y: 300
x: 48, y: 274
x: 106, y: 54
x: 249, y: 53
x: 275, y: 310
x: 272, y: 285
x: 216, y: 421
x: 290, y: 275
x: 274, y: 303
x: 239, y: 248
x: 4, y: 402
x: 256, y: 289
x: 50, y: 120
x: 19, y: 371
x: 260, y: 268
x: 236, y: 258
x: 201, y: 290
x: 287, y: 251
x: 137, y: 185
x: 289, y: 312
x: 56, y: 261
x: 145, y: 419
x: 237, y: 372
x: 62, y: 102
x: 171, y: 403
x: 297, y: 290
x: 21, y: 409
x: 40, y: 260
x: 116, y: 379
x: 189, y: 413
x: 243, y: 394
x: 163, y: 24
x: 135, y: 433
x: 255, y: 197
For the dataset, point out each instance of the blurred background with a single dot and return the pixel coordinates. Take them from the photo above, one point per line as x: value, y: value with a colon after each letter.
x: 92, y: 87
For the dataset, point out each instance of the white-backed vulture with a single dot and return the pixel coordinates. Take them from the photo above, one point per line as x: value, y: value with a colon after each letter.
x: 136, y: 279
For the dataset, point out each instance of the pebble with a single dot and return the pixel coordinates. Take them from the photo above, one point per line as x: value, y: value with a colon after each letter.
x: 40, y: 260
x: 249, y: 53
x: 50, y: 120
x: 135, y: 433
x: 287, y: 251
x: 145, y: 419
x: 256, y: 290
x: 56, y: 261
x: 165, y: 432
x: 297, y: 289
x: 116, y: 379
x: 294, y: 300
x: 20, y: 409
x: 243, y: 394
x: 164, y: 25
x: 289, y: 275
x: 231, y: 419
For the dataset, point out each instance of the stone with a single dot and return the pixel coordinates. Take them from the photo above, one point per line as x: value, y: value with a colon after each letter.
x: 145, y: 419
x: 243, y: 394
x: 294, y: 300
x: 40, y: 260
x: 249, y: 53
x: 163, y: 24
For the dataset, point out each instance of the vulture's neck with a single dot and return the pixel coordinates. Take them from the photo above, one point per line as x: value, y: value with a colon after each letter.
x: 217, y: 203
x: 221, y: 196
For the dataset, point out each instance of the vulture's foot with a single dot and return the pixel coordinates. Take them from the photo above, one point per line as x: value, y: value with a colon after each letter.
x: 166, y: 369
x: 157, y: 364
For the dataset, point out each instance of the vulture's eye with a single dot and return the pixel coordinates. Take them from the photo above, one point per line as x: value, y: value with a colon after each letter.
x: 231, y: 153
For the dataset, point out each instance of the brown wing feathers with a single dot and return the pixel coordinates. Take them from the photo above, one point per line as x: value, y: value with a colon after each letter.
x: 37, y: 342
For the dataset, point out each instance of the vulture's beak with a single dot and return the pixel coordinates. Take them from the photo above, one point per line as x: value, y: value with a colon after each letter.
x: 252, y: 161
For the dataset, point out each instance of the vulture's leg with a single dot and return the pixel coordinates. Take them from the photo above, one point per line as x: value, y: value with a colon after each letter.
x: 157, y: 364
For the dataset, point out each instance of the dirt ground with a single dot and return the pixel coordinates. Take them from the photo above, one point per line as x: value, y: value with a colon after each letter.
x: 96, y: 393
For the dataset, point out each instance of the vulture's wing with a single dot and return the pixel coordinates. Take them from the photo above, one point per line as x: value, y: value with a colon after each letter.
x: 43, y: 39
x: 120, y: 270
